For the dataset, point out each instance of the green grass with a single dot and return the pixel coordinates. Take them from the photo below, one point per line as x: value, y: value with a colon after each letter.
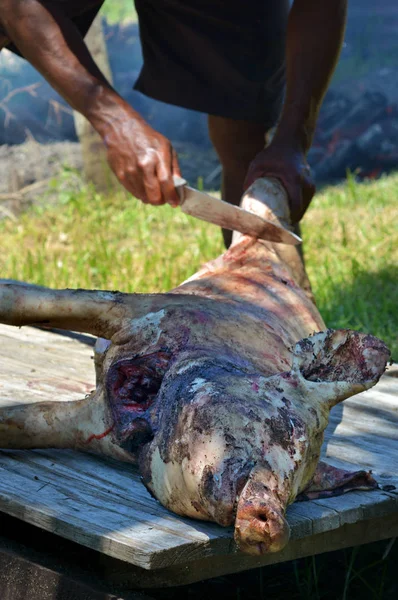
x: 351, y: 242
x: 119, y: 11
x: 115, y: 242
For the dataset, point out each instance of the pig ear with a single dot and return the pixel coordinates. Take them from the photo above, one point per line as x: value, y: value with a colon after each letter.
x: 334, y: 365
x: 96, y: 312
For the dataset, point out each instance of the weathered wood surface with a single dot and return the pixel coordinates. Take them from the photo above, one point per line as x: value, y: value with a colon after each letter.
x: 103, y: 505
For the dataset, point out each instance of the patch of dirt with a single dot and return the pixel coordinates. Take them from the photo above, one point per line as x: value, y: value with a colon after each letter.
x: 27, y: 171
x: 27, y: 163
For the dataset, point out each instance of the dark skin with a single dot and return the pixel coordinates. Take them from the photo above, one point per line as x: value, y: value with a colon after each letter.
x: 142, y: 159
x: 314, y: 38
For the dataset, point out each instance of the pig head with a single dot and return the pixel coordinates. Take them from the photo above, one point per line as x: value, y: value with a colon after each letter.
x: 232, y: 445
x: 220, y: 390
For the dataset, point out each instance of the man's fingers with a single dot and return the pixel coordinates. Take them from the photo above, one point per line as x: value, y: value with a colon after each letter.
x: 132, y: 184
x: 165, y: 171
x: 153, y: 190
x: 175, y: 167
x: 146, y: 168
x: 169, y: 192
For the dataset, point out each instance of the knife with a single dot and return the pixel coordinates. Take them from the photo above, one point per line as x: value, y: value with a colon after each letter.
x: 210, y: 209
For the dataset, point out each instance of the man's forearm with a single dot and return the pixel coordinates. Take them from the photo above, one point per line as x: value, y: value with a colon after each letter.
x: 142, y: 159
x: 315, y: 34
x: 52, y: 44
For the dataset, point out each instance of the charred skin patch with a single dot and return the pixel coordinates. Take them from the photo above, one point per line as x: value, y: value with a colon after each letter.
x: 286, y: 428
x: 208, y: 482
x: 132, y: 386
x: 314, y: 415
x: 177, y: 403
x: 222, y: 488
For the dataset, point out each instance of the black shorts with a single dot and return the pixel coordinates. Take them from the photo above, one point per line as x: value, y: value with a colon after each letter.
x: 220, y: 57
x: 81, y: 12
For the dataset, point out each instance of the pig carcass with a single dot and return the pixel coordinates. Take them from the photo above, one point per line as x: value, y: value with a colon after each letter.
x: 219, y: 391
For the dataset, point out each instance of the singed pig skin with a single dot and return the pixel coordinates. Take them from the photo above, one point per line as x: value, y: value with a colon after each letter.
x: 231, y: 443
x: 230, y: 401
x: 220, y: 390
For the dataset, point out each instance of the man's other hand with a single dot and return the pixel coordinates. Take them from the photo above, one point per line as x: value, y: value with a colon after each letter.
x: 291, y: 168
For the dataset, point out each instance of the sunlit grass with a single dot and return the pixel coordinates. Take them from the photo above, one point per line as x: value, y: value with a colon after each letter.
x: 119, y: 11
x: 351, y: 242
x: 112, y: 242
x: 115, y: 242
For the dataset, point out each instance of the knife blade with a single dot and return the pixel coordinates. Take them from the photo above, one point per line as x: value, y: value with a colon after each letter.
x: 213, y: 210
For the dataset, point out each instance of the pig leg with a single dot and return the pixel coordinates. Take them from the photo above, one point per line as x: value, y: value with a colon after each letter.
x: 96, y: 312
x: 332, y: 366
x: 41, y: 425
x: 327, y: 368
x: 329, y: 481
x: 293, y: 257
x: 82, y: 425
x: 268, y: 199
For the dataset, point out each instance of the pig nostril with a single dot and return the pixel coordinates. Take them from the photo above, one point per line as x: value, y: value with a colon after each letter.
x: 262, y: 518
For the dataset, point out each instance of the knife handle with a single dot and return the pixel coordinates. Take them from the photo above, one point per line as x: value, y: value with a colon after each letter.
x: 179, y: 184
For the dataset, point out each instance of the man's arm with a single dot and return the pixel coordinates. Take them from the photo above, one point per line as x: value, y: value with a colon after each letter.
x: 142, y: 159
x: 315, y: 35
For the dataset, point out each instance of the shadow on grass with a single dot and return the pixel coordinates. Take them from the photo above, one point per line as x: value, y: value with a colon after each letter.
x: 368, y: 304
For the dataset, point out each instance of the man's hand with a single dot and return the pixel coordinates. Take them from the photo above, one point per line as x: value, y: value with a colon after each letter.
x: 315, y: 35
x: 291, y: 168
x: 142, y: 159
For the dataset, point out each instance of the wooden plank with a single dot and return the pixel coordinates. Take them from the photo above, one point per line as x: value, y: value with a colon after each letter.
x: 103, y: 505
x: 112, y: 520
x: 348, y: 535
x: 108, y: 574
x: 39, y: 365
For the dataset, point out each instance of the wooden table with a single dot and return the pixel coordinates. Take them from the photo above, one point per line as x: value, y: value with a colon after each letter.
x: 102, y: 505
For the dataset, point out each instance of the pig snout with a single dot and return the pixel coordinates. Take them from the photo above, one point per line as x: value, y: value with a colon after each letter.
x: 260, y: 525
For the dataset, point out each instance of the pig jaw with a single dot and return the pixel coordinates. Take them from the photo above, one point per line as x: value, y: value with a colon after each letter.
x: 231, y: 444
x: 196, y: 466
